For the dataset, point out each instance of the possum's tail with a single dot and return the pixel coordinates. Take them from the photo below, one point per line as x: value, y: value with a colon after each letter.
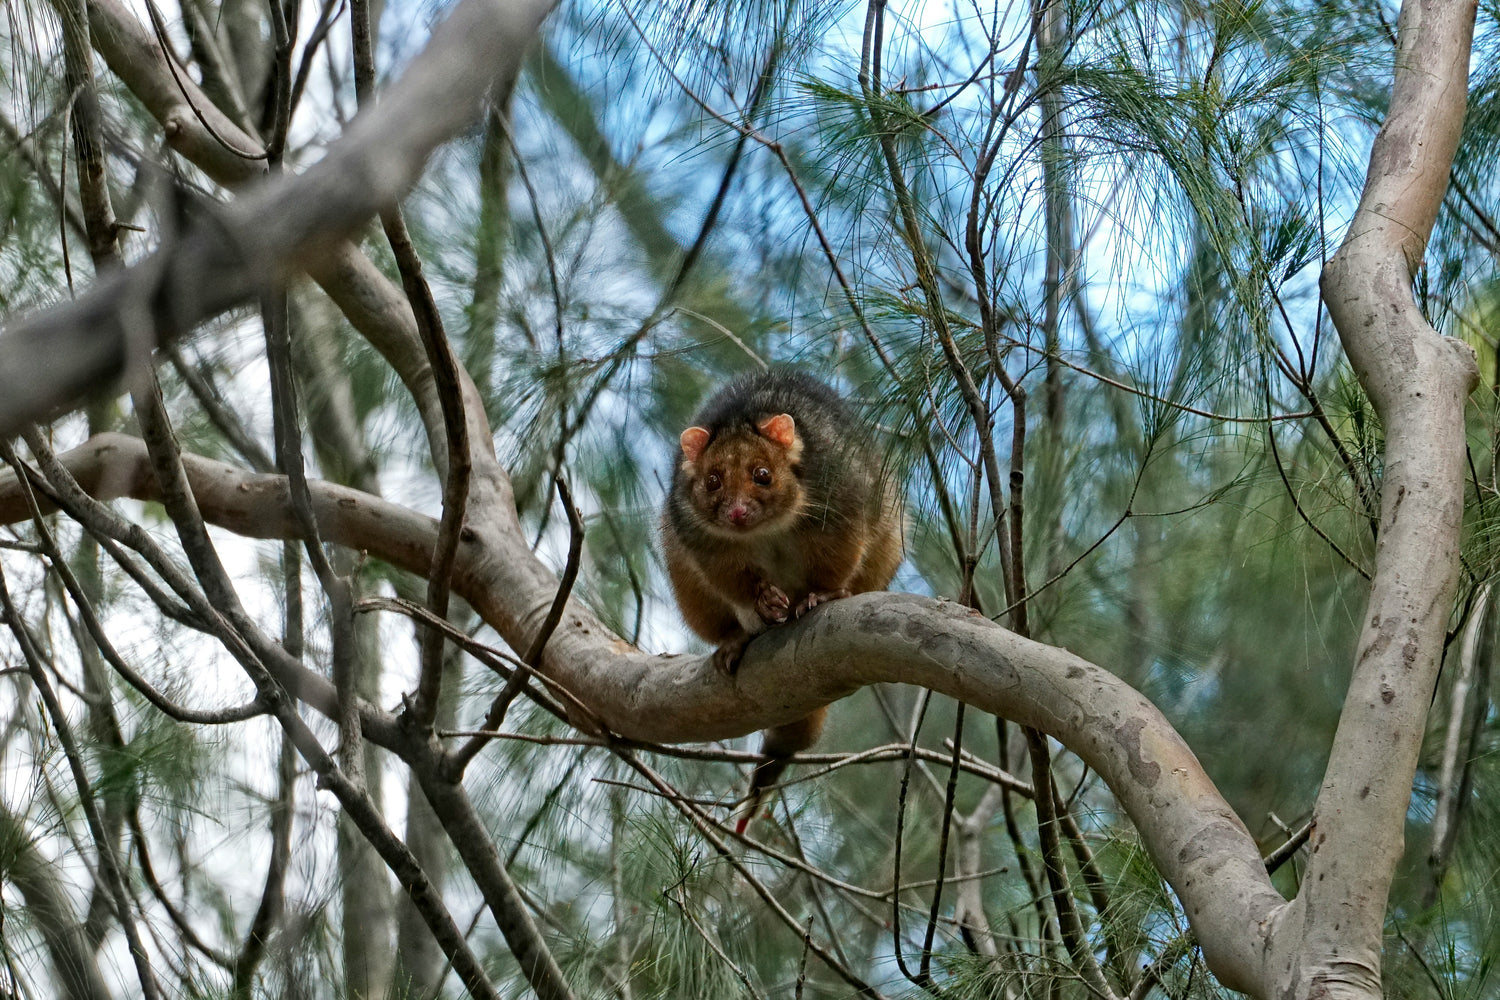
x: 776, y: 745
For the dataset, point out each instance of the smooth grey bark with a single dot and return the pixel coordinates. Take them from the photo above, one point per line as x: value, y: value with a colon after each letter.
x: 1327, y: 941
x: 273, y: 230
x: 372, y: 304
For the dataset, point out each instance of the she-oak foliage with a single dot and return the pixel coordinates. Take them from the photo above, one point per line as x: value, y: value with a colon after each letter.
x: 1064, y: 255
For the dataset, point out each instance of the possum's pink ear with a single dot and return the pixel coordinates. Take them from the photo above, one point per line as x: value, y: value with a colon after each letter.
x: 694, y: 440
x: 781, y: 428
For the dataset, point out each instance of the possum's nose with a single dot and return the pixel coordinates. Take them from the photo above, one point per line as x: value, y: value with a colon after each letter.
x: 738, y: 515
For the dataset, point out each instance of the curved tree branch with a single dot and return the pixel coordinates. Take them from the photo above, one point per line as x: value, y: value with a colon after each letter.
x: 1327, y: 943
x: 1193, y: 835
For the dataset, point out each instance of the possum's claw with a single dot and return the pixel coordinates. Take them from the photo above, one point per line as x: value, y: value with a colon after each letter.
x: 818, y: 597
x: 726, y: 658
x: 772, y: 604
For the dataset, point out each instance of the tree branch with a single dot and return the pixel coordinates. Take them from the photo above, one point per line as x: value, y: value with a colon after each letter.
x: 1418, y: 382
x: 1201, y: 847
x: 54, y: 358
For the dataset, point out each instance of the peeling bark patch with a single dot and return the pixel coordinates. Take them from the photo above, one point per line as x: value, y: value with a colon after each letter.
x: 1213, y: 841
x: 953, y: 652
x: 1075, y: 672
x: 1364, y: 792
x: 938, y: 646
x: 1128, y: 734
x: 1381, y: 640
x: 1387, y: 694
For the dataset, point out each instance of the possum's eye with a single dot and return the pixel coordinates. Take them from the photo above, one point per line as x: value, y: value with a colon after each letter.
x: 714, y: 482
x: 761, y: 475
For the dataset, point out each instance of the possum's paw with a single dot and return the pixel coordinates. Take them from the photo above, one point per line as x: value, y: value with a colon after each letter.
x: 772, y: 604
x: 726, y: 658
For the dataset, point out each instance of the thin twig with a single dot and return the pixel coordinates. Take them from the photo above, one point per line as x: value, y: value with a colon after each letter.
x: 712, y: 944
x: 169, y: 57
x: 457, y: 466
x: 925, y: 969
x: 706, y: 829
x: 1070, y: 927
x: 253, y: 651
x: 174, y: 912
x: 273, y: 895
x: 461, y: 757
x: 100, y: 637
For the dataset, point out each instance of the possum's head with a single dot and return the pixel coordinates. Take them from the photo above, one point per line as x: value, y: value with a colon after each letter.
x: 745, y: 479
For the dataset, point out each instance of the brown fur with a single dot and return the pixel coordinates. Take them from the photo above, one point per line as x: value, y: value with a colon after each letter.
x: 776, y: 506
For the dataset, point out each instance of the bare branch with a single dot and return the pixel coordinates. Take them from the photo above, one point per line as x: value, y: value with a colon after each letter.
x: 51, y: 360
x: 1418, y: 382
x: 273, y: 896
x: 96, y: 632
